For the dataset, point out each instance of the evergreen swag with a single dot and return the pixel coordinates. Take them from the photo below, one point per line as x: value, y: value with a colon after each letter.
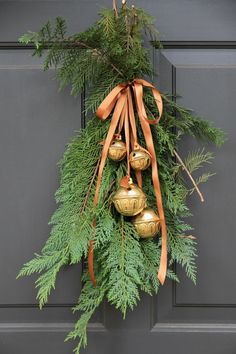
x: 110, y: 52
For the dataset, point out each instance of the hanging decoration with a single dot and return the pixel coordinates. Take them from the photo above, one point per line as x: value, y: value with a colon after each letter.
x: 117, y: 149
x: 122, y: 196
x: 140, y: 159
x: 147, y: 223
x: 129, y: 200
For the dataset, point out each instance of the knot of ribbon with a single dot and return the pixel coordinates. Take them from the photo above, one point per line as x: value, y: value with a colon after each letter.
x: 120, y: 102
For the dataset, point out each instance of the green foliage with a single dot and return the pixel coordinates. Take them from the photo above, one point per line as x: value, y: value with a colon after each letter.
x: 196, y: 159
x: 90, y: 299
x: 122, y: 259
x: 183, y: 251
x: 46, y: 282
x: 109, y: 52
x: 188, y: 123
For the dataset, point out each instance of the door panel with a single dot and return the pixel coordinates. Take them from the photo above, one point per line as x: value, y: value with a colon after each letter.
x: 205, y: 81
x: 182, y: 20
x: 32, y: 141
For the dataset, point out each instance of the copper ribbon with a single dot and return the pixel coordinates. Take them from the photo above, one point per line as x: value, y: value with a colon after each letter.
x: 120, y: 101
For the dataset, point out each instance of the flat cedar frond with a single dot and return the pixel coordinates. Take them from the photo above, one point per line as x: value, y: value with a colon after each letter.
x: 100, y: 90
x: 183, y: 251
x: 90, y: 298
x: 196, y: 159
x: 108, y: 23
x: 108, y: 53
x: 148, y: 272
x: 46, y: 282
x: 41, y: 262
x: 122, y: 258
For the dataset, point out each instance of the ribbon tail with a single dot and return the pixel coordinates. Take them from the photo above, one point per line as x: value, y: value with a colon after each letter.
x: 163, y: 260
x: 109, y: 102
x: 157, y: 97
x: 114, y: 122
x: 133, y: 135
x: 138, y: 91
x: 90, y: 263
x: 156, y: 183
x: 127, y: 136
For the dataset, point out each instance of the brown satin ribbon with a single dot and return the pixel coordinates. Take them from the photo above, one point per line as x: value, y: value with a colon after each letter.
x: 120, y: 100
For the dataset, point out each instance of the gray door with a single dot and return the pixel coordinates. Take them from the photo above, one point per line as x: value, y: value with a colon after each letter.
x: 199, y: 64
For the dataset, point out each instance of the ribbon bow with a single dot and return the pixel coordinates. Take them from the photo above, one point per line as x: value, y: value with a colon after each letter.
x: 120, y: 100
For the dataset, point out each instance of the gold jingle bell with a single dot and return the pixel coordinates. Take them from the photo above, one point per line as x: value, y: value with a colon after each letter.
x: 140, y: 159
x: 129, y: 201
x: 147, y: 223
x: 117, y: 150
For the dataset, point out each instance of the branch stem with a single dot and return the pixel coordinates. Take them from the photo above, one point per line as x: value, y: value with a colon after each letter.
x: 115, y: 8
x: 191, y: 237
x: 189, y: 175
x: 90, y: 186
x: 73, y: 42
x: 98, y: 52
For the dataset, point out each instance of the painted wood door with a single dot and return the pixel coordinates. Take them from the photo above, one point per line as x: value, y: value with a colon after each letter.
x: 198, y: 63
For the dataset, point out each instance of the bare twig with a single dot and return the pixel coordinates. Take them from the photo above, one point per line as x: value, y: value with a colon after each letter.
x: 115, y: 8
x: 191, y: 237
x: 90, y: 186
x: 98, y: 52
x: 110, y: 187
x: 123, y: 230
x: 189, y: 174
x: 70, y: 42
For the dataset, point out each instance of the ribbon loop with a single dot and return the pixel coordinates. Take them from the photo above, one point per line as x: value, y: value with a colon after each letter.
x: 120, y: 101
x: 107, y: 105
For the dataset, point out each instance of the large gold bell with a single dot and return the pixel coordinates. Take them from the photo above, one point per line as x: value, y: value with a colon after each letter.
x: 140, y: 159
x: 117, y: 150
x: 147, y: 223
x: 129, y: 201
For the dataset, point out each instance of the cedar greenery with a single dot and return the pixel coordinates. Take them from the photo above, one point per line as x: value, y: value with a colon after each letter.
x: 109, y: 52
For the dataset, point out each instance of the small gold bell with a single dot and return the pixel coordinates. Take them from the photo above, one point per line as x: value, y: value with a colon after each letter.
x: 140, y: 159
x: 117, y: 150
x: 147, y: 223
x: 129, y: 201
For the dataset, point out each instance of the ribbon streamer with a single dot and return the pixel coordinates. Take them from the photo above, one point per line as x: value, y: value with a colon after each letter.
x: 120, y: 101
